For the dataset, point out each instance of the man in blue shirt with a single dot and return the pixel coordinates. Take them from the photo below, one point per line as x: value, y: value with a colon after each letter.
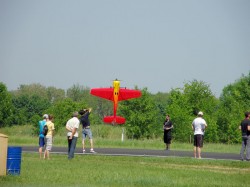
x: 41, y: 136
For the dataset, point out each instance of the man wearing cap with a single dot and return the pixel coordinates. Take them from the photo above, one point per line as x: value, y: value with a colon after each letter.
x: 198, y: 126
x: 72, y: 126
x: 41, y: 136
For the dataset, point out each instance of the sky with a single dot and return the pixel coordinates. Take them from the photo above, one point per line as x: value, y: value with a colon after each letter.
x: 155, y: 44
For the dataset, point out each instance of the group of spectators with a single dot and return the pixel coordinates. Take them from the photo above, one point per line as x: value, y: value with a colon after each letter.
x: 199, y: 125
x: 72, y: 126
x: 46, y: 139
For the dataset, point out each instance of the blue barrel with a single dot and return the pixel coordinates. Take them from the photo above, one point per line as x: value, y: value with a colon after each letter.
x: 14, y: 160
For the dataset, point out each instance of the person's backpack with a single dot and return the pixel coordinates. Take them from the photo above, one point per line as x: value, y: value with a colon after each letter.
x: 45, y: 130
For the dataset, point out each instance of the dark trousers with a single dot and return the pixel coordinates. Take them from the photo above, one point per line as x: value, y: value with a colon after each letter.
x: 71, y: 147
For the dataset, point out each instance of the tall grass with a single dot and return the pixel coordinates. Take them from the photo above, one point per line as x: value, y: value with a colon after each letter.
x: 106, y: 136
x: 95, y: 170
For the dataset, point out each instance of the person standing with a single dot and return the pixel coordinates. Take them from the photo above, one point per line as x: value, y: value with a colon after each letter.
x: 86, y: 131
x: 245, y: 132
x: 49, y: 137
x: 41, y: 124
x: 72, y: 126
x: 167, y: 127
x: 198, y: 126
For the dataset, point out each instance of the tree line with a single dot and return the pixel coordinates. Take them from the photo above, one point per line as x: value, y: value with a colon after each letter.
x: 144, y: 115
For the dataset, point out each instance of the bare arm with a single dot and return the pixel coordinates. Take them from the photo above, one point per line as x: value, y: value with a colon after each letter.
x: 53, y: 133
x: 205, y: 125
x: 68, y: 128
x: 73, y: 133
x: 169, y: 127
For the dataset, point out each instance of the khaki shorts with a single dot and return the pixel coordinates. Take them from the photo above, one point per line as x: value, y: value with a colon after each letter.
x: 48, y: 143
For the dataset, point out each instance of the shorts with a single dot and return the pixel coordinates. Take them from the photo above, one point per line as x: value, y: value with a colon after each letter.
x: 48, y: 143
x: 86, y: 132
x: 198, y: 140
x: 41, y: 142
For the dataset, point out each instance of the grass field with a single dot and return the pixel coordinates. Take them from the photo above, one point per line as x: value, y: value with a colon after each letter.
x: 94, y: 170
x: 100, y: 170
x: 109, y: 137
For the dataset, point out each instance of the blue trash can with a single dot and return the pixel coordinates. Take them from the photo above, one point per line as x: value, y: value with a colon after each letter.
x: 14, y: 156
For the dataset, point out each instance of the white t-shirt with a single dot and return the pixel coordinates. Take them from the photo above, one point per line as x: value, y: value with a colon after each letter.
x: 199, y: 125
x: 71, y: 124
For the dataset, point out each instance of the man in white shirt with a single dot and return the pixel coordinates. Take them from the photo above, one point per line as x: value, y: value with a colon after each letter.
x: 72, y: 126
x: 198, y: 126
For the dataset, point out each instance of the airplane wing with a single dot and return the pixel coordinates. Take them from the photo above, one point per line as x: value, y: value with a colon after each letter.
x: 126, y: 94
x: 106, y: 93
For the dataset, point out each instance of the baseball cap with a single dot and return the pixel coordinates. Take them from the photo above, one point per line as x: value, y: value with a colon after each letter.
x: 46, y: 116
x: 200, y: 113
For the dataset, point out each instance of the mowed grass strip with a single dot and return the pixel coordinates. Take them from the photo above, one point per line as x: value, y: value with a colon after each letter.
x: 97, y: 170
x: 109, y: 137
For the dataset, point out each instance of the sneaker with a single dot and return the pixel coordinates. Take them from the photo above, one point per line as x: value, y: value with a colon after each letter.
x: 92, y: 151
x: 83, y: 150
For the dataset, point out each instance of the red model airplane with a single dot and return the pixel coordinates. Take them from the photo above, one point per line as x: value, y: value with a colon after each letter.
x: 115, y: 94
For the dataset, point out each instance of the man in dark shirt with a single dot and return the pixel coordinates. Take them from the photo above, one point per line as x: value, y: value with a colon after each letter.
x: 167, y: 127
x: 86, y: 131
x: 245, y: 131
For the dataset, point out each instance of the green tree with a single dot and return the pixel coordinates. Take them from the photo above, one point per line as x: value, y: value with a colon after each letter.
x: 180, y: 112
x: 63, y: 110
x: 55, y: 94
x: 75, y: 92
x: 51, y: 93
x: 6, y: 107
x: 140, y: 114
x: 102, y: 108
x: 161, y: 100
x: 32, y: 89
x: 30, y: 102
x: 234, y: 102
x: 200, y: 98
x: 183, y: 106
x: 26, y: 106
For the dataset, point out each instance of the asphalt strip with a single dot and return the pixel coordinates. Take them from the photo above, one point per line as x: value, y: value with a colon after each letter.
x: 134, y: 153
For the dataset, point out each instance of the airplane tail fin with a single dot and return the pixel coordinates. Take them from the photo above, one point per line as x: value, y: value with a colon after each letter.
x: 114, y: 120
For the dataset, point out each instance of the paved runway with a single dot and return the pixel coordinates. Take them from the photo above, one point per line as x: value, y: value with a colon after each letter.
x: 140, y: 152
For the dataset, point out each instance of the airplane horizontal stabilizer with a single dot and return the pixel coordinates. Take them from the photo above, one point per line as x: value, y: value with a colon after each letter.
x: 114, y: 120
